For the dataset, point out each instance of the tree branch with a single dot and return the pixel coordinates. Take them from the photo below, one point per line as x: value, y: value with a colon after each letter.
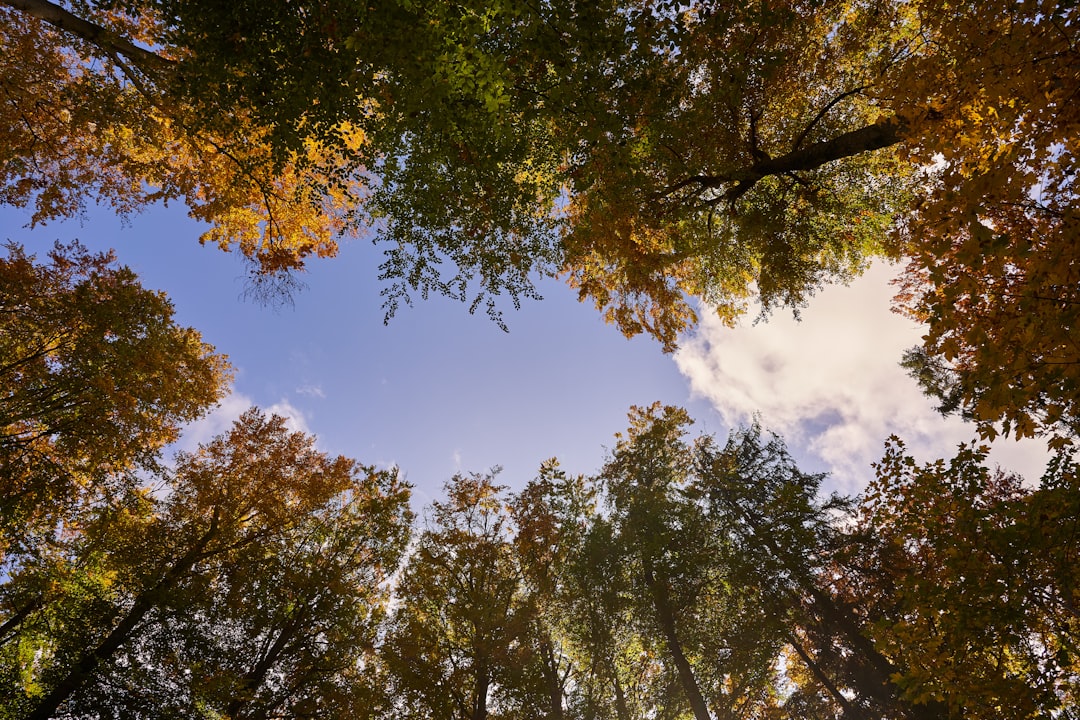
x: 879, y: 135
x: 108, y: 41
x: 872, y: 137
x: 821, y: 113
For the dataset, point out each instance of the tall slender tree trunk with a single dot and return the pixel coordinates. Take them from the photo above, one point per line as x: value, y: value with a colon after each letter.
x: 622, y: 712
x: 662, y: 602
x: 824, y: 679
x: 552, y: 681
x: 483, y: 682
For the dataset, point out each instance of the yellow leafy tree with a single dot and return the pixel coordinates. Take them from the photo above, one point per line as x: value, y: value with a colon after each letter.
x: 89, y: 113
x: 992, y: 242
x: 96, y: 378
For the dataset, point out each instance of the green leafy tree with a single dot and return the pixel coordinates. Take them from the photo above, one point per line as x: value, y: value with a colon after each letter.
x: 625, y: 675
x: 457, y: 645
x: 670, y: 552
x: 597, y: 663
x: 252, y: 589
x: 735, y: 577
x: 552, y: 516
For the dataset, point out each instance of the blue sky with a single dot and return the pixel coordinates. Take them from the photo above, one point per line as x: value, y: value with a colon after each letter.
x: 439, y: 391
x: 436, y: 391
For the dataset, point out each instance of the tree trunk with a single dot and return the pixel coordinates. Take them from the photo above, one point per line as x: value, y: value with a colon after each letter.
x: 872, y: 137
x: 85, y: 666
x: 622, y: 712
x: 667, y: 624
x: 823, y: 678
x: 552, y: 681
x: 480, y: 701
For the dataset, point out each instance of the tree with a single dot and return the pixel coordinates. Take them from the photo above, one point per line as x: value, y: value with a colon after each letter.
x: 973, y: 576
x: 754, y: 149
x: 653, y: 153
x: 89, y: 111
x: 97, y: 378
x: 293, y: 618
x: 312, y: 120
x: 552, y: 516
x: 596, y: 661
x: 786, y: 545
x: 992, y: 240
x: 787, y: 142
x: 252, y: 588
x: 708, y: 594
x: 667, y: 547
x: 737, y: 577
x: 457, y: 644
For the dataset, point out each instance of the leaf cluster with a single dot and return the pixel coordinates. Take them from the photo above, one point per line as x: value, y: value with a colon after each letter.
x: 664, y: 158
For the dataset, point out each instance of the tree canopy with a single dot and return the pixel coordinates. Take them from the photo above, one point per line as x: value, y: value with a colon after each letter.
x: 654, y: 154
x: 97, y: 379
x: 254, y: 588
x: 665, y: 159
x: 691, y: 579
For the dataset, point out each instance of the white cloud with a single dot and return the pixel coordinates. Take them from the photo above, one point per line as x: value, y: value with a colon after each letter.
x: 311, y: 391
x: 218, y: 421
x: 228, y: 411
x: 294, y: 417
x: 831, y: 384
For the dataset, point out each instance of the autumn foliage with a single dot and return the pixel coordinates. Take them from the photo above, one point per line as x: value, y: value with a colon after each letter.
x: 667, y: 159
x: 97, y: 380
x: 85, y: 122
x: 258, y: 576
